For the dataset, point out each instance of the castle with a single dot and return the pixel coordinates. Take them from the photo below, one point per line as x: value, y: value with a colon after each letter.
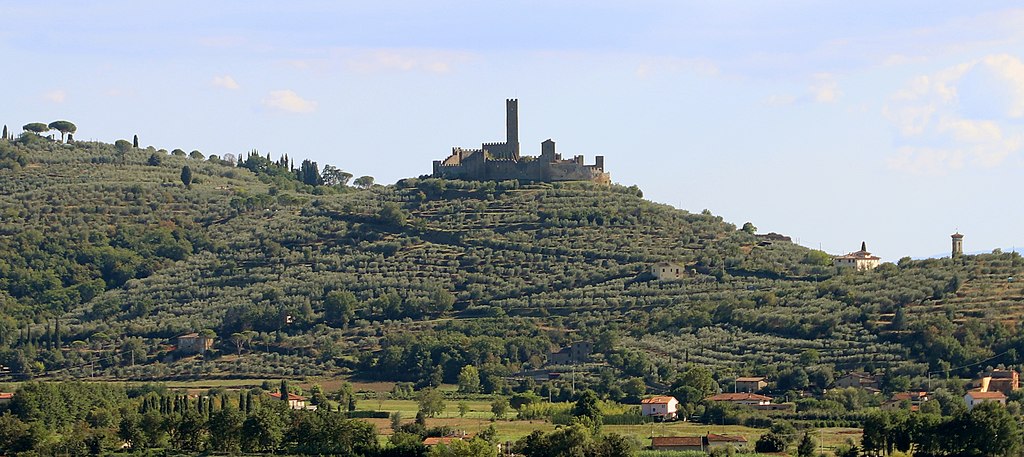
x: 501, y: 161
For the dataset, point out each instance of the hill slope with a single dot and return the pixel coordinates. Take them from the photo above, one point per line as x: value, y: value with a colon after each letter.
x: 107, y: 257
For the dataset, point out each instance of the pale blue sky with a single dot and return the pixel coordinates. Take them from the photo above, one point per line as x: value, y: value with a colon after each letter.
x: 832, y: 122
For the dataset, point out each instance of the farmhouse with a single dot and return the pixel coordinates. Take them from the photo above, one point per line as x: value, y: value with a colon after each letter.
x: 998, y: 380
x: 697, y: 443
x: 194, y: 343
x: 742, y: 398
x: 860, y: 260
x: 975, y: 398
x: 749, y: 384
x: 661, y: 407
x: 667, y: 271
x: 913, y: 399
x: 294, y: 401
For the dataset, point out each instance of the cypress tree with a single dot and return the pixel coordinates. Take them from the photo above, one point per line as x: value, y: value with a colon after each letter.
x: 56, y: 332
x: 186, y: 176
x: 135, y: 142
x: 5, y: 132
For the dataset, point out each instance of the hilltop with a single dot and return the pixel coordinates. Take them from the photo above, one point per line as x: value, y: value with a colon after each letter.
x: 107, y: 256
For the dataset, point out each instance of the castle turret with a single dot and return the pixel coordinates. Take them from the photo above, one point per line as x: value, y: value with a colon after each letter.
x: 512, y: 125
x: 958, y: 244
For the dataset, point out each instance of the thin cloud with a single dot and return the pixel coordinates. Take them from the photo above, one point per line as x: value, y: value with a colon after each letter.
x: 56, y: 96
x: 959, y: 117
x: 225, y: 82
x: 668, y: 65
x: 289, y: 101
x: 403, y: 60
x: 825, y: 88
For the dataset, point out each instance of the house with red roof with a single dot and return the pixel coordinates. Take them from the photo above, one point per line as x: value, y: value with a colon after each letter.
x: 294, y: 401
x: 6, y: 397
x: 697, y: 443
x: 974, y: 398
x: 677, y: 443
x: 860, y: 260
x: 660, y: 407
x: 742, y: 398
x: 913, y: 399
x: 435, y: 440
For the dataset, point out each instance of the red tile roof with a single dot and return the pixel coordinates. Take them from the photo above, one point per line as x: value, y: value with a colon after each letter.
x: 900, y: 396
x: 713, y: 438
x: 739, y: 396
x: 291, y: 396
x: 6, y: 395
x: 435, y: 440
x: 696, y: 441
x: 750, y: 379
x: 659, y: 400
x: 986, y: 395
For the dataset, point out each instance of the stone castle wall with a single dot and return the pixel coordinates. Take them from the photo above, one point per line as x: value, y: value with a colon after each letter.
x: 501, y: 161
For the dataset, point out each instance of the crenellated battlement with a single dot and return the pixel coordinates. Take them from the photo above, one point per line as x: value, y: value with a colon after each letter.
x: 501, y: 160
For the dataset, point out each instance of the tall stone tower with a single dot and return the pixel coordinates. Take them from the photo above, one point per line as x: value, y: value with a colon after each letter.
x: 958, y: 245
x: 512, y: 125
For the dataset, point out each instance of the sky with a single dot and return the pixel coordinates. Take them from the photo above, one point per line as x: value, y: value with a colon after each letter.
x: 893, y: 123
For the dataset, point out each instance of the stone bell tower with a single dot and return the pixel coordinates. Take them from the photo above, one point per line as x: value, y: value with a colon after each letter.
x: 958, y: 245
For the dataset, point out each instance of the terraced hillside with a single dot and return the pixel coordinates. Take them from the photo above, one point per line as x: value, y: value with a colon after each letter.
x: 107, y: 257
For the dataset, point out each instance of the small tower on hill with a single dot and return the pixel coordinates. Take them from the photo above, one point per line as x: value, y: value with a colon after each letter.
x: 958, y: 245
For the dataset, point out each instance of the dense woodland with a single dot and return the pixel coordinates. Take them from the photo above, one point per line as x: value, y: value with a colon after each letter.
x: 110, y: 251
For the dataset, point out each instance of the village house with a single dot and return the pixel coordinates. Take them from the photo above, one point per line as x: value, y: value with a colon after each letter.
x: 860, y: 260
x: 667, y: 271
x: 998, y: 380
x: 677, y: 443
x: 578, y: 352
x: 859, y: 380
x: 749, y: 384
x: 704, y: 443
x: 294, y: 401
x: 912, y: 399
x: 716, y: 441
x: 660, y: 407
x: 974, y: 398
x: 194, y: 343
x: 435, y: 440
x: 742, y: 398
x: 6, y: 397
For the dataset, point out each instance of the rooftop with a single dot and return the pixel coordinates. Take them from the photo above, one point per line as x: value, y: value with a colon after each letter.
x: 659, y: 400
x: 695, y: 441
x: 986, y: 395
x: 713, y: 438
x: 739, y: 396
